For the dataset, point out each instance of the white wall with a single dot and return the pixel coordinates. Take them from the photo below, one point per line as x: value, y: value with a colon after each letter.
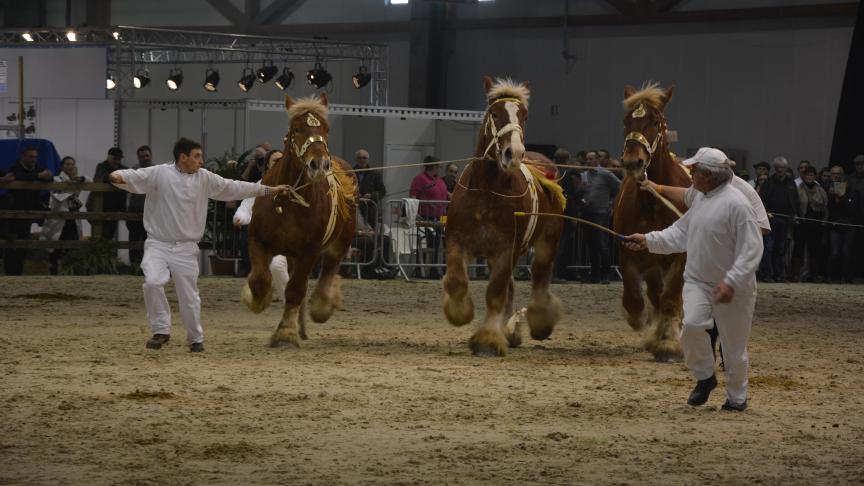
x: 77, y: 72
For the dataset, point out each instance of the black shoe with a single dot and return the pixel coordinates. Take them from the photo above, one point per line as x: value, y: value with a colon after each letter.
x: 196, y: 347
x: 157, y: 341
x: 734, y: 407
x: 702, y: 391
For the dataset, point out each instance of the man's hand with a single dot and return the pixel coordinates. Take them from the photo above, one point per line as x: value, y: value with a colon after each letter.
x: 647, y: 183
x: 116, y: 178
x: 45, y: 175
x: 635, y: 242
x: 723, y: 293
x: 281, y: 189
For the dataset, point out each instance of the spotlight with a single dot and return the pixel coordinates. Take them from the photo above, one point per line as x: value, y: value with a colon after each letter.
x: 110, y: 82
x: 285, y: 79
x: 266, y: 73
x: 211, y: 80
x: 175, y: 79
x: 318, y: 76
x: 72, y: 36
x: 116, y: 35
x: 27, y: 36
x: 362, y: 77
x: 246, y: 80
x: 141, y: 79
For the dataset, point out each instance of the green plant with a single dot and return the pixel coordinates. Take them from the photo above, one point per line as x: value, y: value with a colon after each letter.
x: 100, y: 258
x: 226, y: 165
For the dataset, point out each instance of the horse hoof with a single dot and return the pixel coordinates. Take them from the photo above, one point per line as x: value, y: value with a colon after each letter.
x: 291, y: 343
x: 667, y: 358
x: 486, y: 351
x: 486, y: 342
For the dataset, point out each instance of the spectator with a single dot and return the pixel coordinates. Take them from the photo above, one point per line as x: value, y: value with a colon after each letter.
x: 603, y: 158
x: 801, y: 167
x: 243, y: 212
x: 600, y: 189
x: 761, y: 168
x: 814, y: 206
x: 780, y: 197
x: 616, y: 169
x: 109, y: 202
x: 427, y: 186
x: 28, y: 169
x: 825, y: 178
x: 136, y: 205
x: 843, y: 206
x: 590, y: 159
x: 580, y: 158
x: 63, y: 229
x: 371, y: 187
x: 571, y: 183
x: 255, y: 164
x: 451, y: 177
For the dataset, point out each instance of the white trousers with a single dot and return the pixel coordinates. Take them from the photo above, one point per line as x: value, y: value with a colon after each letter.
x: 279, y: 271
x: 180, y: 261
x: 733, y: 324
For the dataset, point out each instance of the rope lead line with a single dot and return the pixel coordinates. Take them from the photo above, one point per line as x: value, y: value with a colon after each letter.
x: 571, y: 218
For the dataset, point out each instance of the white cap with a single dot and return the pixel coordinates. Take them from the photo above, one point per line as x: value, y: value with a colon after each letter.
x: 710, y: 156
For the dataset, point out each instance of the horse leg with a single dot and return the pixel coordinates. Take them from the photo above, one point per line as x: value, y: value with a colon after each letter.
x: 458, y: 306
x: 287, y: 333
x: 632, y: 299
x: 257, y: 293
x: 489, y: 339
x: 670, y: 313
x: 301, y: 318
x: 513, y: 328
x: 327, y: 296
x: 654, y: 290
x: 544, y: 309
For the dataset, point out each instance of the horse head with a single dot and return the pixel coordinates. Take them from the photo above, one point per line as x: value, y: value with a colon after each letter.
x: 644, y: 126
x: 307, y: 134
x: 503, y: 135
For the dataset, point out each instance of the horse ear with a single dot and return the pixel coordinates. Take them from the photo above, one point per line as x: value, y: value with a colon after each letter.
x: 629, y: 91
x: 323, y: 98
x: 289, y: 102
x: 668, y: 95
x: 526, y: 85
x: 487, y: 84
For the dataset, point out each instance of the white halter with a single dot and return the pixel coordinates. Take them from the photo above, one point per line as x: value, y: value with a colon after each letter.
x: 496, y: 133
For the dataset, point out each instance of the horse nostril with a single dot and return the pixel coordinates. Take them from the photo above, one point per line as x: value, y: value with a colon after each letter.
x: 508, y: 153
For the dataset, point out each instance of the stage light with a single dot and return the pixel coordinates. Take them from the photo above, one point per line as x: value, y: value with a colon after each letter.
x: 110, y: 82
x: 116, y: 35
x: 246, y: 80
x: 266, y: 73
x: 318, y: 76
x: 175, y: 79
x: 285, y: 79
x: 141, y: 79
x: 27, y: 36
x: 211, y: 80
x: 362, y: 77
x: 72, y: 36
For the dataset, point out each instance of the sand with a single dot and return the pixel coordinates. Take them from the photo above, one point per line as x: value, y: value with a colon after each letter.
x: 387, y: 392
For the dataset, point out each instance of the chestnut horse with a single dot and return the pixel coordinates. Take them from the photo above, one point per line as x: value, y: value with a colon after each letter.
x: 646, y: 153
x: 481, y: 222
x: 316, y: 220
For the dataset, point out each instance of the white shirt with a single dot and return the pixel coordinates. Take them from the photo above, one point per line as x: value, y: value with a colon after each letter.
x: 798, y: 181
x: 721, y: 238
x: 243, y: 215
x: 176, y: 205
x: 749, y: 192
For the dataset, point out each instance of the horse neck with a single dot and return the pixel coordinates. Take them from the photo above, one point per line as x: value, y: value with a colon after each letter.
x: 662, y: 165
x: 292, y: 171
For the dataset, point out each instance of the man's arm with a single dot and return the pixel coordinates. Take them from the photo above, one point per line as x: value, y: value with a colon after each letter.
x: 136, y: 181
x: 222, y: 189
x: 748, y: 248
x: 671, y: 240
x: 674, y: 194
x: 380, y: 189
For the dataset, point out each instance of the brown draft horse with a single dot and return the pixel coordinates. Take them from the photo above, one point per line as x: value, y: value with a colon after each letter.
x: 646, y: 153
x: 316, y: 220
x: 480, y: 222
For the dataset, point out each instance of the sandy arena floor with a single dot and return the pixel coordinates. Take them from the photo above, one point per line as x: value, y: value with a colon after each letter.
x: 387, y: 392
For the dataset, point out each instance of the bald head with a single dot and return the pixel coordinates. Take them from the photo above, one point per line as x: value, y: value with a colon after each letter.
x: 362, y: 158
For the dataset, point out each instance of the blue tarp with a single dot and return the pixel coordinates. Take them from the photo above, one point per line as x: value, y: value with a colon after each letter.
x: 10, y: 149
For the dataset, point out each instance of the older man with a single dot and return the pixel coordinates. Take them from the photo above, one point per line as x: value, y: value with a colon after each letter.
x: 371, y: 187
x: 780, y: 196
x: 724, y: 246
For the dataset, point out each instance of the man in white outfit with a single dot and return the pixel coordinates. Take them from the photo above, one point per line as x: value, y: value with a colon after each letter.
x: 175, y: 213
x: 724, y: 247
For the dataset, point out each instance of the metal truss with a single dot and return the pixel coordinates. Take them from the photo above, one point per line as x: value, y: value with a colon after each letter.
x: 133, y: 48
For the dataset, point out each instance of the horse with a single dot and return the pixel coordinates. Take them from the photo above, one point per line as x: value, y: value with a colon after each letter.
x: 481, y: 222
x: 316, y: 220
x: 646, y: 154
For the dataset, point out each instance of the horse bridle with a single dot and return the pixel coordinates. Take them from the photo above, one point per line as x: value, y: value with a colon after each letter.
x: 495, y: 132
x: 639, y: 138
x: 301, y: 151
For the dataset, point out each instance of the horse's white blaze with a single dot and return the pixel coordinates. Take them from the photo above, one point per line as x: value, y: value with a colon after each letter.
x: 516, y: 146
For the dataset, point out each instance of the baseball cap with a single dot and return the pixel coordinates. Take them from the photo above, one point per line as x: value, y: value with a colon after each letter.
x: 710, y: 156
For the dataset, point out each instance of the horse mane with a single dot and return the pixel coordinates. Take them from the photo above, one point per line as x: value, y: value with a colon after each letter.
x: 507, y: 88
x: 308, y: 104
x: 650, y: 94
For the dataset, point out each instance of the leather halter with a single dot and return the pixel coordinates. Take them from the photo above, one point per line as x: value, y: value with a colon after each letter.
x: 301, y: 151
x: 496, y: 133
x: 639, y: 138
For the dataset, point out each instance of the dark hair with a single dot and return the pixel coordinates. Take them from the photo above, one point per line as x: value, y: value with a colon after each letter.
x: 581, y: 153
x: 809, y: 170
x: 431, y: 158
x: 115, y: 152
x: 28, y: 148
x: 604, y: 151
x: 267, y: 158
x: 63, y: 160
x: 143, y: 147
x: 185, y: 146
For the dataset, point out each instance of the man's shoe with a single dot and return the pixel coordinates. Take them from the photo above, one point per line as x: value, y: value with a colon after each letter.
x: 157, y: 341
x: 196, y: 347
x: 734, y: 407
x: 702, y: 391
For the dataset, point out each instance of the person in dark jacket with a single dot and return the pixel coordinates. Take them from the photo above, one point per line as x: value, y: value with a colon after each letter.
x: 843, y: 205
x: 370, y: 185
x: 780, y: 197
x: 26, y: 168
x: 814, y: 207
x: 108, y: 202
x: 136, y: 205
x: 600, y: 188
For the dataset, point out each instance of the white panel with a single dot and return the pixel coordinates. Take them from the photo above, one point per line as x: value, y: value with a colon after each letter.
x: 54, y: 122
x: 398, y: 181
x: 57, y: 72
x: 219, y: 134
x: 409, y: 132
x: 135, y: 131
x: 164, y: 133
